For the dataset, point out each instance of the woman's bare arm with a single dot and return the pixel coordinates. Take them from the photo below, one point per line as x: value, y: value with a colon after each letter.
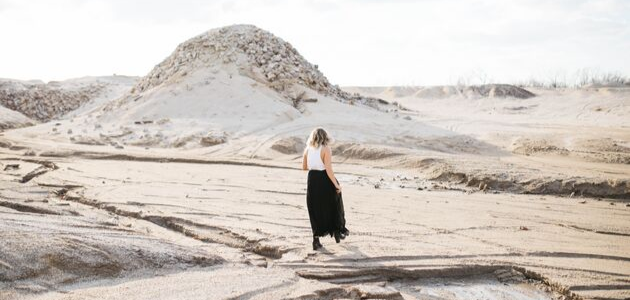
x: 304, y: 164
x: 328, y: 164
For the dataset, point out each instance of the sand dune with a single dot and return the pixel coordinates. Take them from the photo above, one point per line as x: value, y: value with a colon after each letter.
x: 13, y: 119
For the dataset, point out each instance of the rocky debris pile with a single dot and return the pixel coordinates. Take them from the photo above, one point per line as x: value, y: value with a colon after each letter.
x: 44, y: 102
x: 498, y: 91
x: 475, y: 91
x: 258, y: 54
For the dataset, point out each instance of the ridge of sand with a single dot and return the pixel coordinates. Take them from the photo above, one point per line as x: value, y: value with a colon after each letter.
x: 13, y: 119
x: 493, y: 90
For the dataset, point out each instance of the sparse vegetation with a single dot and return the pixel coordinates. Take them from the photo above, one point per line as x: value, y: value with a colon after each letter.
x: 581, y: 78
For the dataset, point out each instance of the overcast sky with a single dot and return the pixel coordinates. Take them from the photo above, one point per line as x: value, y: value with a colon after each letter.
x: 354, y: 42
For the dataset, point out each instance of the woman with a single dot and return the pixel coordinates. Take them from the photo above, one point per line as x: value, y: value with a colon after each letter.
x: 323, y: 196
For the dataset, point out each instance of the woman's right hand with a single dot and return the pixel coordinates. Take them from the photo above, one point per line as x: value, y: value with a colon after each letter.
x: 338, y: 189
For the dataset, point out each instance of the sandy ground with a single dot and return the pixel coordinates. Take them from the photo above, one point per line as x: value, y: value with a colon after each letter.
x: 111, y: 227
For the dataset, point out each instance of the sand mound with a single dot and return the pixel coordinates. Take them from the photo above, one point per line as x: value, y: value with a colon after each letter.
x: 363, y: 151
x: 290, y: 145
x: 437, y: 92
x: 520, y: 181
x: 44, y: 102
x: 271, y: 59
x: 498, y: 91
x: 526, y: 146
x: 588, y: 187
x: 606, y: 150
x: 13, y: 119
x: 447, y: 91
x: 259, y: 55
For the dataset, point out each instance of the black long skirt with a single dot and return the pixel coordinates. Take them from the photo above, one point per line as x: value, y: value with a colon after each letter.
x: 325, y: 205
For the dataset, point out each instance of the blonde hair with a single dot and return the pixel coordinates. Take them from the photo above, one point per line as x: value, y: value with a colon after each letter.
x: 318, y: 137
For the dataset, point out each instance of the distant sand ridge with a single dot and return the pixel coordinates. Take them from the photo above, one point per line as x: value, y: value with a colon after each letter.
x: 44, y: 102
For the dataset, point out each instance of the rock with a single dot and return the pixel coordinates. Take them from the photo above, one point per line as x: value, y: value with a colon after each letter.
x: 69, y: 131
x: 212, y: 140
x: 523, y: 228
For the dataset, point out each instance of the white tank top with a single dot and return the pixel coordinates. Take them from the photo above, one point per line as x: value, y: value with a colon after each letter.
x: 314, y: 158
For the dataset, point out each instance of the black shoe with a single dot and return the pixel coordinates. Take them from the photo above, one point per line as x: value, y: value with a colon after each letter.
x: 337, y: 237
x: 345, y: 232
x: 316, y: 244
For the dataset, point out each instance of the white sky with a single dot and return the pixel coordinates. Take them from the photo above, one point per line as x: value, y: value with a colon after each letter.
x: 354, y: 42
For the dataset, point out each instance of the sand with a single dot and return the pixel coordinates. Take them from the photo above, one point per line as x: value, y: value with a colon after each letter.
x: 13, y: 119
x: 189, y: 186
x: 253, y: 218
